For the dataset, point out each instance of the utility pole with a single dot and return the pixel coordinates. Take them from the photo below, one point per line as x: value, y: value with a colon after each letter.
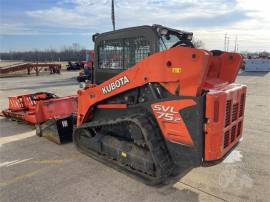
x: 225, y: 42
x: 228, y: 43
x: 236, y: 44
x: 113, y: 16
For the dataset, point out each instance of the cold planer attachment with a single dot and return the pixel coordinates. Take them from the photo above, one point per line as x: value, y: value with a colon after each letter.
x: 53, y: 116
x: 175, y: 108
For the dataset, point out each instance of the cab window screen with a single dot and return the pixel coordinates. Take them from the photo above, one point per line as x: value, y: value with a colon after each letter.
x: 123, y: 53
x: 111, y: 55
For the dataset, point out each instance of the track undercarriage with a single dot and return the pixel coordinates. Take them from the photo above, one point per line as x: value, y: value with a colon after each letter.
x: 131, y: 142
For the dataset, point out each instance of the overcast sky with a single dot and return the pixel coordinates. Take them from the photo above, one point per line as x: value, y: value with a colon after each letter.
x: 43, y: 24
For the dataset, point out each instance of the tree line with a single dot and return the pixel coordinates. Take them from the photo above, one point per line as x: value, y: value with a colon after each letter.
x: 45, y: 56
x: 76, y: 53
x: 72, y: 53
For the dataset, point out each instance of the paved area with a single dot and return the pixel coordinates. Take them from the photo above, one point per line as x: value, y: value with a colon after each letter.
x: 34, y: 169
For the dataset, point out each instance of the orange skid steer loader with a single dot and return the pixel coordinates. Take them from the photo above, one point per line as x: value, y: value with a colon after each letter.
x: 157, y: 102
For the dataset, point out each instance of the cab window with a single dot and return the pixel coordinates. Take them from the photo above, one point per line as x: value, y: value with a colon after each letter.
x: 122, y: 54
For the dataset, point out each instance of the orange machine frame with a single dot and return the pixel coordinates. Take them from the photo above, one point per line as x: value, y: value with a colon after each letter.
x: 184, y: 72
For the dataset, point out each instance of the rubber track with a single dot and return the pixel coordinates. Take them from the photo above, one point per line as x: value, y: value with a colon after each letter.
x: 154, y: 141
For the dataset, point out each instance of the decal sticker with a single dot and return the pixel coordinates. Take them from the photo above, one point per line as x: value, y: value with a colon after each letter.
x: 124, y: 154
x: 167, y: 113
x: 177, y: 70
x: 116, y: 84
x: 64, y: 123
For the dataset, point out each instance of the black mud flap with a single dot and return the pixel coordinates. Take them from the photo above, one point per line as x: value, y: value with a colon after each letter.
x: 183, y: 155
x: 58, y: 131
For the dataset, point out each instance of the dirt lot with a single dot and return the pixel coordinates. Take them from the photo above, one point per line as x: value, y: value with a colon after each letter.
x: 34, y: 169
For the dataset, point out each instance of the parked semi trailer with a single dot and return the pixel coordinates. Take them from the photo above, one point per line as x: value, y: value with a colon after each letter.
x: 28, y: 67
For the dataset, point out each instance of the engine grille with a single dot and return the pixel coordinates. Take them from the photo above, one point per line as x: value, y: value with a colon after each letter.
x: 233, y: 130
x: 226, y: 139
x: 242, y: 102
x: 233, y: 125
x: 225, y: 115
x: 228, y: 113
x: 234, y: 112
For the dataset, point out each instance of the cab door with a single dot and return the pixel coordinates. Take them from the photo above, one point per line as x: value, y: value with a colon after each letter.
x: 116, y: 55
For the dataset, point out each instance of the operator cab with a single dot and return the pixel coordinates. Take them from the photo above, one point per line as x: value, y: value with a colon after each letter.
x: 119, y: 50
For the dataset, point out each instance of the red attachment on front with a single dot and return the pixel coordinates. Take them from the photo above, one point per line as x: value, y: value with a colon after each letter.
x: 15, y: 103
x: 23, y: 107
x: 225, y: 115
x: 28, y: 102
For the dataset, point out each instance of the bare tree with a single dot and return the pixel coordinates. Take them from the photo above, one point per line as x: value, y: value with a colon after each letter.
x: 197, y: 43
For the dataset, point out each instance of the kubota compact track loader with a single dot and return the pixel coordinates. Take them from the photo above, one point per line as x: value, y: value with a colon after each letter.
x: 158, y: 103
